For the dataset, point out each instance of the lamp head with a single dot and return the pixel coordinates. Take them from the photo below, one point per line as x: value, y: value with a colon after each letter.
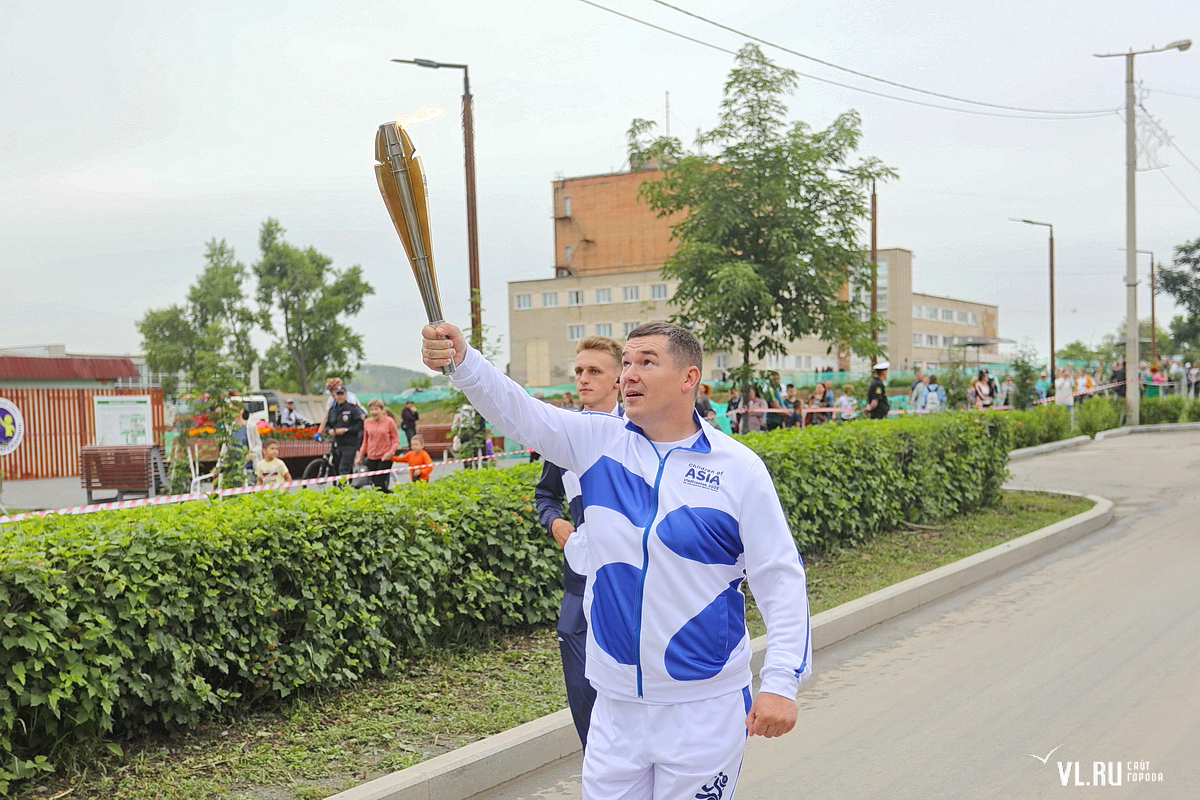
x: 425, y: 62
x: 1181, y: 45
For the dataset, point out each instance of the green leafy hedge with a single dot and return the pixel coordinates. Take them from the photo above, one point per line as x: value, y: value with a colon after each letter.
x: 1048, y: 422
x: 842, y: 483
x: 115, y: 622
x: 123, y: 621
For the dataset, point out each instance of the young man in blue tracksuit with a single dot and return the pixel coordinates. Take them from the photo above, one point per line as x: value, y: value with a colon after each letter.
x: 597, y: 375
x: 678, y: 515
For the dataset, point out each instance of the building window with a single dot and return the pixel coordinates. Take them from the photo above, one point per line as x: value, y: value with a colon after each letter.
x: 575, y: 297
x: 931, y: 340
x: 722, y: 360
x: 629, y: 328
x: 604, y: 295
x: 549, y: 299
x: 964, y: 318
x: 948, y: 341
x: 974, y: 318
x: 575, y: 332
x: 918, y: 340
x: 568, y: 249
x: 931, y: 312
x: 524, y: 301
x: 917, y: 311
x: 947, y: 315
x: 658, y: 291
x: 604, y: 329
x: 567, y: 210
x: 631, y: 293
x: 804, y: 362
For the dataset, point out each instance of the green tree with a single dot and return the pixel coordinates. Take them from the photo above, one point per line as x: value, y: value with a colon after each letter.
x: 1114, y: 343
x: 302, y: 302
x: 769, y: 227
x: 1182, y: 283
x: 210, y: 331
x: 1076, y: 351
x: 1185, y: 333
x: 1025, y: 374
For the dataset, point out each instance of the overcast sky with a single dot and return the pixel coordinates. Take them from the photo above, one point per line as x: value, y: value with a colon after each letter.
x: 131, y: 133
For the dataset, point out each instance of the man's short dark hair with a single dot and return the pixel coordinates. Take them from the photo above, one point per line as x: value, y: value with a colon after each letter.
x: 682, y: 344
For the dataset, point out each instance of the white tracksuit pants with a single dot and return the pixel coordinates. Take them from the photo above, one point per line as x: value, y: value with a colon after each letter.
x: 685, y: 751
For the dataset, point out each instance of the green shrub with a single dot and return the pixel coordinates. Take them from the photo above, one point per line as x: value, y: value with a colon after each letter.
x: 1191, y: 412
x: 1048, y: 422
x: 841, y: 484
x: 124, y: 621
x: 1098, y: 414
x: 157, y: 616
x: 1163, y: 410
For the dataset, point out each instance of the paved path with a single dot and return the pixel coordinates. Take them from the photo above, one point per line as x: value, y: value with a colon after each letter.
x: 1093, y: 649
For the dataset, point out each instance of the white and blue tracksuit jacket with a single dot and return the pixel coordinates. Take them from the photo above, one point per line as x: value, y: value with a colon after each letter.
x: 669, y: 543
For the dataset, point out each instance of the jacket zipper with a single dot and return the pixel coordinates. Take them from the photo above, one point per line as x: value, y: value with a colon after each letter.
x: 662, y: 463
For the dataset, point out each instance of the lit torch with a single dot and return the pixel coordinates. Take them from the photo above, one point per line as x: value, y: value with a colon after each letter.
x: 402, y: 184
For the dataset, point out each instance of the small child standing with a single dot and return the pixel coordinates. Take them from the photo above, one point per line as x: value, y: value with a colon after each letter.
x: 420, y: 463
x: 381, y: 438
x: 271, y: 470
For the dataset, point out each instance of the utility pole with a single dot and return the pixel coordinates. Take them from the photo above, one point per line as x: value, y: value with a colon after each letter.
x: 1133, y: 391
x: 468, y: 123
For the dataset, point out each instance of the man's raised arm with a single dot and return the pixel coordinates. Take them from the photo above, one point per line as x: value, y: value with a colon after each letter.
x: 564, y: 437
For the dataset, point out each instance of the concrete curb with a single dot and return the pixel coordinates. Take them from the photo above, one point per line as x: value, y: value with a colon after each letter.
x: 1049, y: 447
x: 1170, y: 427
x: 489, y: 762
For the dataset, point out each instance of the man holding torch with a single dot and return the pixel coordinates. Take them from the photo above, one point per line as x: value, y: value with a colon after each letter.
x: 678, y: 515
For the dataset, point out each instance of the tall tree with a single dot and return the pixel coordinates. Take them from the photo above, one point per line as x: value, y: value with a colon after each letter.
x: 769, y: 226
x: 1182, y: 283
x: 211, y: 329
x: 302, y: 301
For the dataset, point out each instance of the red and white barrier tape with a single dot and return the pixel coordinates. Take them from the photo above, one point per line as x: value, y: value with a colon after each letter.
x: 181, y: 498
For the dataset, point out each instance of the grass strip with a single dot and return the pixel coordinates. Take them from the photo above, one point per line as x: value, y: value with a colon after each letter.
x: 320, y: 744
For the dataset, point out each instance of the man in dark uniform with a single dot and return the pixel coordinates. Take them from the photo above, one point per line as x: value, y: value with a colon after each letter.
x: 345, y: 422
x: 597, y: 372
x: 877, y: 400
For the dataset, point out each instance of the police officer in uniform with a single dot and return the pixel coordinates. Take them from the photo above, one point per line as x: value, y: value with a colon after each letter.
x: 877, y: 400
x: 345, y: 422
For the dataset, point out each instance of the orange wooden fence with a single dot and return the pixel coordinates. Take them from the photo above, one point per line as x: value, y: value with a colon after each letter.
x: 58, y: 422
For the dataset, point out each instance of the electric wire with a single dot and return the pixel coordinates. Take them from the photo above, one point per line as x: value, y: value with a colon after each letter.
x: 874, y: 77
x: 1170, y: 139
x: 1071, y: 116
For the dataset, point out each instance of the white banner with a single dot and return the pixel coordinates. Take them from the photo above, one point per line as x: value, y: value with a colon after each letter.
x: 123, y: 419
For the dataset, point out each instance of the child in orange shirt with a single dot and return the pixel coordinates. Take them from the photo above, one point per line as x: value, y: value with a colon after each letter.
x: 420, y: 463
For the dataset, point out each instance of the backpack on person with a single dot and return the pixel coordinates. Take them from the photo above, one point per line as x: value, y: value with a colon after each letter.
x: 934, y: 397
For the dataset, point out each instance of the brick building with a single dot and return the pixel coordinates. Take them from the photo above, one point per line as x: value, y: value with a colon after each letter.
x: 609, y: 248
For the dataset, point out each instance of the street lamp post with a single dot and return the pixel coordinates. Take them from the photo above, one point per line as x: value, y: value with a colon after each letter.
x: 468, y: 123
x: 1133, y: 398
x: 1153, y: 319
x: 1053, y: 372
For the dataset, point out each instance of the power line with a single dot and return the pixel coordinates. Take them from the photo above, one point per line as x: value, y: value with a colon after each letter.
x: 1066, y: 116
x: 1162, y: 170
x: 874, y: 77
x: 1170, y: 139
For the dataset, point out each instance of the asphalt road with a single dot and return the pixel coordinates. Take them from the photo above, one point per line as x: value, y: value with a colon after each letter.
x: 1088, y: 655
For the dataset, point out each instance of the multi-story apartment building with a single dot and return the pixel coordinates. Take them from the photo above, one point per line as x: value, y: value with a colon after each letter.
x: 609, y: 249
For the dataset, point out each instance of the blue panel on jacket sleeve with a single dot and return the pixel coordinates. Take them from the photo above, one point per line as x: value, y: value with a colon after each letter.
x: 607, y: 483
x: 701, y: 648
x: 614, y: 617
x: 707, y: 535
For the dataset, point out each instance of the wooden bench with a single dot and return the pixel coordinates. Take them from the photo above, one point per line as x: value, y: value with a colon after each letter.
x: 437, y: 438
x: 126, y: 469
